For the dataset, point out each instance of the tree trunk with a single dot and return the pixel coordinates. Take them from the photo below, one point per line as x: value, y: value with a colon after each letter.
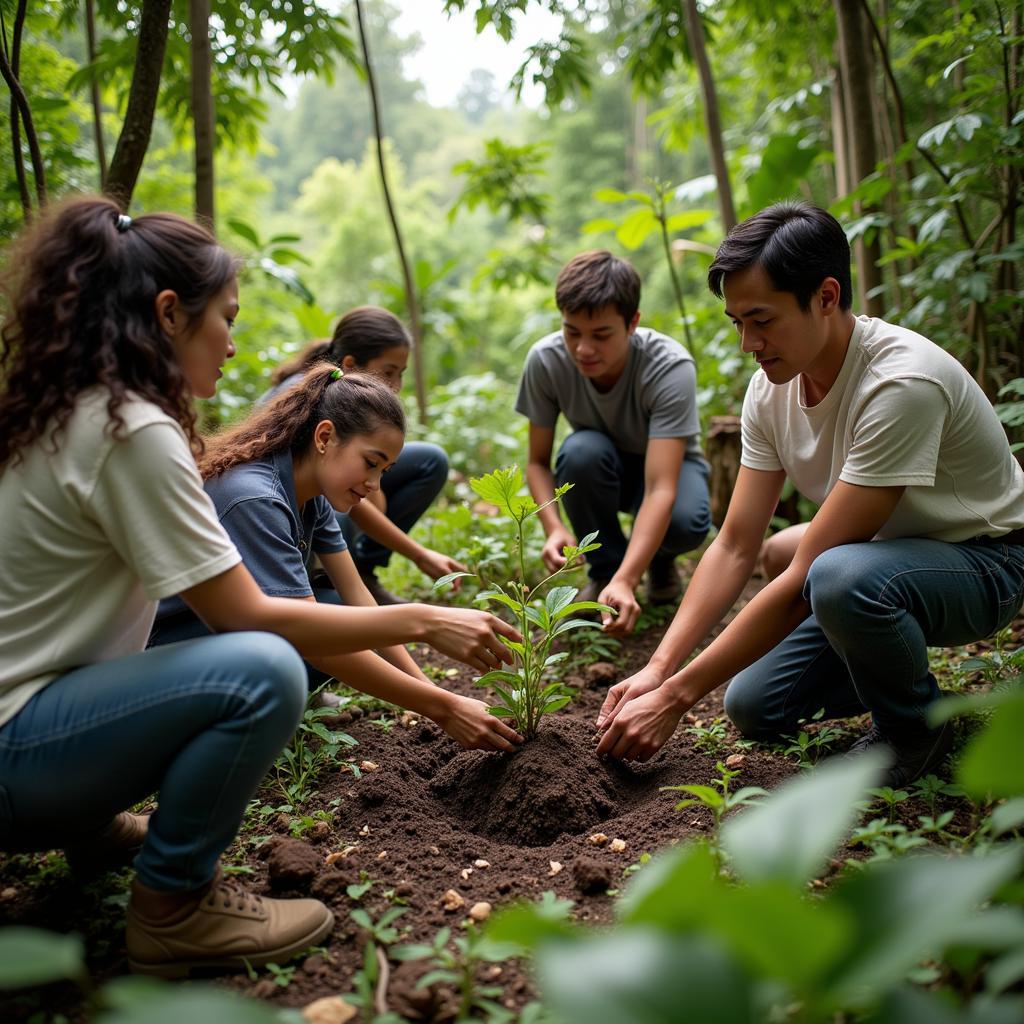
x: 840, y: 149
x: 855, y: 68
x: 695, y: 36
x: 10, y: 67
x: 94, y: 93
x: 133, y: 141
x: 411, y: 302
x: 723, y: 449
x: 203, y: 126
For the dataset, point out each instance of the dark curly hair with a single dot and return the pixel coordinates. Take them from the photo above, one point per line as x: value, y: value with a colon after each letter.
x: 80, y: 295
x: 356, y: 404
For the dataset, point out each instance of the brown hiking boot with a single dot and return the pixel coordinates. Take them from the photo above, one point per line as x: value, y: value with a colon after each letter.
x: 111, y: 848
x: 227, y: 928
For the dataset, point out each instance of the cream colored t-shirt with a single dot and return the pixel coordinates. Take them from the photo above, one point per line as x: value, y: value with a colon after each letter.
x: 91, y: 537
x: 902, y: 411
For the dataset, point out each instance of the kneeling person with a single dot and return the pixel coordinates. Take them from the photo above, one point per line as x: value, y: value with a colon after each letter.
x: 630, y: 395
x: 919, y: 540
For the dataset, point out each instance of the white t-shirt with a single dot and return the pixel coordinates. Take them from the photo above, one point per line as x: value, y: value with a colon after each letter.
x: 91, y: 537
x: 902, y: 412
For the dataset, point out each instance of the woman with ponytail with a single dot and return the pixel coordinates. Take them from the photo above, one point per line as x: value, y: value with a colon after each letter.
x: 112, y: 326
x: 275, y: 480
x: 374, y: 341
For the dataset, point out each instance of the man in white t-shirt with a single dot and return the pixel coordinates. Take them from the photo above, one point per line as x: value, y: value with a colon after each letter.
x: 919, y: 540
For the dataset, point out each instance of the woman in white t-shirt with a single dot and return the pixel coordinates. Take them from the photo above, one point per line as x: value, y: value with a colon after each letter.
x: 113, y: 326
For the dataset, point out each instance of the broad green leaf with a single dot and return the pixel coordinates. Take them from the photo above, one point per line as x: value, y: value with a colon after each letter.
x: 246, y: 231
x: 994, y: 928
x: 555, y: 704
x: 1006, y: 971
x: 568, y: 624
x: 583, y: 606
x: 791, y: 835
x: 610, y: 195
x: 688, y: 219
x: 1009, y: 816
x: 644, y: 977
x: 558, y: 598
x: 443, y: 581
x: 526, y: 925
x: 900, y: 919
x: 635, y: 228
x: 500, y: 598
x: 593, y: 227
x: 784, y: 164
x: 31, y: 956
x: 992, y: 764
x: 704, y: 794
x: 501, y: 712
x: 198, y: 1003
x: 500, y: 675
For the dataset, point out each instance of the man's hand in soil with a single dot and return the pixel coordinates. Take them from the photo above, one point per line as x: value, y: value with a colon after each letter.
x: 621, y: 597
x: 637, y: 717
x: 551, y: 553
x: 436, y: 565
x: 473, y: 727
x: 469, y: 635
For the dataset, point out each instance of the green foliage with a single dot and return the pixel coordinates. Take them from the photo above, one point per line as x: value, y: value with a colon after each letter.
x: 505, y: 178
x: 688, y: 935
x: 29, y: 956
x: 313, y: 748
x: 523, y: 695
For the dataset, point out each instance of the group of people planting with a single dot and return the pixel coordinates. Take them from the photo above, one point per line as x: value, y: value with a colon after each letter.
x: 260, y: 544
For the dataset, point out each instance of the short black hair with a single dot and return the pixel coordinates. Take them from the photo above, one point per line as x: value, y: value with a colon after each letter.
x: 595, y: 279
x: 798, y: 244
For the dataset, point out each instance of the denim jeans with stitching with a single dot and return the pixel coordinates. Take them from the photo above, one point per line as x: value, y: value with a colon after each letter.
x: 876, y: 609
x: 199, y: 723
x: 607, y: 481
x: 409, y: 486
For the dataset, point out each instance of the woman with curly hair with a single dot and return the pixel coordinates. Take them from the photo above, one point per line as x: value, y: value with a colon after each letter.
x: 112, y: 327
x: 372, y: 340
x: 276, y: 480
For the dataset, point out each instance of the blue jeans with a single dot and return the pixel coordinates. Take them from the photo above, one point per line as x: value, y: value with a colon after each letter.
x: 608, y: 481
x: 410, y: 486
x: 198, y: 722
x: 876, y: 608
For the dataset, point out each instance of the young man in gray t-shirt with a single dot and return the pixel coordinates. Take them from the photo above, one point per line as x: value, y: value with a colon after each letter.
x: 630, y: 396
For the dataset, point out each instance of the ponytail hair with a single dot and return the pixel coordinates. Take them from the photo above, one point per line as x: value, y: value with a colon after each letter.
x: 365, y: 333
x: 353, y: 403
x: 79, y: 291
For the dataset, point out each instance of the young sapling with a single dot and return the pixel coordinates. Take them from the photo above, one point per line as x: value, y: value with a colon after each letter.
x: 523, y: 693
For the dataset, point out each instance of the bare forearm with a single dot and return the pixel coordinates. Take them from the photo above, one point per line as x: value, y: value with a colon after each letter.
x: 767, y: 620
x: 402, y: 660
x: 376, y: 676
x: 717, y: 582
x: 649, y: 528
x: 316, y: 629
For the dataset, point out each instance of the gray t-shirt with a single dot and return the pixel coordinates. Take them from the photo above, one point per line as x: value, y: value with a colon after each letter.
x: 656, y: 396
x: 256, y: 505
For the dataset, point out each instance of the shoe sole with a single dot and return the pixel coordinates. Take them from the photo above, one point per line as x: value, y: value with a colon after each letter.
x: 240, y: 962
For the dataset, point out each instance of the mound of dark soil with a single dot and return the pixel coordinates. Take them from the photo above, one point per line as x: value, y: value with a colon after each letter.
x: 552, y: 786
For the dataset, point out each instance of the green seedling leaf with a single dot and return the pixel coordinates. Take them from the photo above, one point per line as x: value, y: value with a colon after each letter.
x: 245, y: 231
x: 500, y: 597
x: 991, y: 765
x: 555, y: 704
x: 582, y: 606
x: 175, y: 1005
x: 500, y: 675
x: 644, y: 977
x: 559, y: 598
x: 442, y: 581
x: 31, y: 956
x: 1009, y: 816
x: 525, y: 926
x: 791, y: 835
x: 898, y: 920
x: 502, y: 712
x: 569, y: 624
x: 702, y: 795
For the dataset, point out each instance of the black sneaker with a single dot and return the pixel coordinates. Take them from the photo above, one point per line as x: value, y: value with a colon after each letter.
x: 914, y: 753
x: 663, y: 586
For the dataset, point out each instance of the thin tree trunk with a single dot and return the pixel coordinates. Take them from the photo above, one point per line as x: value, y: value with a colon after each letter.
x: 19, y: 160
x: 856, y: 73
x: 94, y: 93
x: 10, y: 66
x: 839, y: 146
x: 695, y: 36
x: 202, y: 109
x: 411, y: 302
x: 133, y: 141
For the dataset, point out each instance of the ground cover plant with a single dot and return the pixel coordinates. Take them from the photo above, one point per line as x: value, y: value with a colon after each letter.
x: 406, y: 836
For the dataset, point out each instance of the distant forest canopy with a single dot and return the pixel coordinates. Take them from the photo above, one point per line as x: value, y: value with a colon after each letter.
x: 663, y: 123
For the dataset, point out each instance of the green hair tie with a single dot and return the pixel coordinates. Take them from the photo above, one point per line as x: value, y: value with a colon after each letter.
x: 337, y: 374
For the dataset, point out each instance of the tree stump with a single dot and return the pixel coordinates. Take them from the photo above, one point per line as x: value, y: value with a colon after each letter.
x: 722, y: 447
